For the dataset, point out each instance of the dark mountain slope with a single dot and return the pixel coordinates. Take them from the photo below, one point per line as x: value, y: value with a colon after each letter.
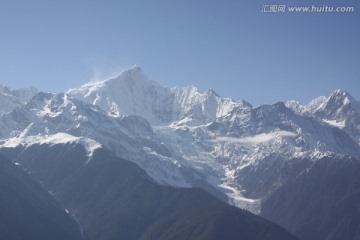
x: 29, y: 212
x: 115, y: 199
x: 322, y: 202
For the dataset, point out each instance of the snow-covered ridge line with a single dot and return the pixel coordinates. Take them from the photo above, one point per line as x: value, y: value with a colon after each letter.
x: 59, y: 138
x: 133, y: 93
x: 10, y: 99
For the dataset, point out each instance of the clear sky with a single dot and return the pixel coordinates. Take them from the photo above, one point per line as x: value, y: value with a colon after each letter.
x: 230, y: 46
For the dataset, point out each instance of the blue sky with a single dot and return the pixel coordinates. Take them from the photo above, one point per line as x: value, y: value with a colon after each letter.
x: 229, y: 46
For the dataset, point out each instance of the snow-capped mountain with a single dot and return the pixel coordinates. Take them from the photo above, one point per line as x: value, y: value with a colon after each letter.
x: 217, y: 136
x: 132, y: 93
x: 186, y: 138
x: 10, y: 99
x: 249, y: 138
x: 309, y: 108
x: 183, y: 137
x: 343, y: 111
x: 339, y: 110
x: 130, y: 137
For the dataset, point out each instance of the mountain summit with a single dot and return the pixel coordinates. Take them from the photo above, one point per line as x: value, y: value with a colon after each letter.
x: 132, y: 93
x: 339, y: 106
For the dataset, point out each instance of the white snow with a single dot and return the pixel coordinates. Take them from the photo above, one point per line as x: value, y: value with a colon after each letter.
x: 10, y: 99
x: 335, y: 123
x: 315, y: 104
x: 310, y: 108
x: 132, y: 93
x: 260, y: 138
x: 58, y: 138
x: 237, y: 199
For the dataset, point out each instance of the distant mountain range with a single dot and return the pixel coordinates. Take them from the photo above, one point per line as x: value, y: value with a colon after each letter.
x: 293, y: 164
